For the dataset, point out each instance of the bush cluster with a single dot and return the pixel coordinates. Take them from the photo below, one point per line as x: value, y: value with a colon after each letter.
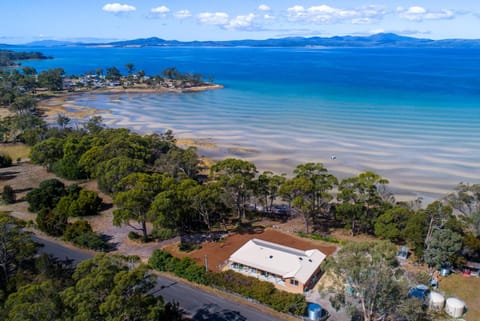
x: 263, y: 292
x: 5, y: 161
x: 81, y: 234
x: 54, y: 204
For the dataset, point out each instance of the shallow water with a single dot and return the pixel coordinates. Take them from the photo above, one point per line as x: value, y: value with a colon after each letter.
x: 412, y: 115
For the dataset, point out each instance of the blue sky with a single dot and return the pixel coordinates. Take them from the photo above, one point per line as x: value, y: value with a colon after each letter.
x: 27, y: 20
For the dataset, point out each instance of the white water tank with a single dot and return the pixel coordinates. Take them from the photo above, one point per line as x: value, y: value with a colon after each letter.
x: 436, y: 301
x: 454, y: 307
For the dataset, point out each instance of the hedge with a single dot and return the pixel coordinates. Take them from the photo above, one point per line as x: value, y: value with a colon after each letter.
x: 261, y: 291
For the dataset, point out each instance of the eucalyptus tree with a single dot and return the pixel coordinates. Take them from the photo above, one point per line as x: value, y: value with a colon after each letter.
x: 236, y: 178
x: 371, y: 271
x: 172, y: 208
x: 361, y: 201
x: 267, y: 187
x: 466, y: 200
x: 206, y: 201
x: 309, y: 191
x: 136, y: 193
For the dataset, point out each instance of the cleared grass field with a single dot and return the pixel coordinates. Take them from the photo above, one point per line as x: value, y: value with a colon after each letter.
x: 465, y: 288
x: 15, y: 151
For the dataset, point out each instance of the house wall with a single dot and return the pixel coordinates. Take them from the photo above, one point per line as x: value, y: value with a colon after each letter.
x: 296, y: 287
x: 275, y: 279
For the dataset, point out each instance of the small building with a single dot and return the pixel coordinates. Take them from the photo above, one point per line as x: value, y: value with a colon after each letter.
x: 290, y: 269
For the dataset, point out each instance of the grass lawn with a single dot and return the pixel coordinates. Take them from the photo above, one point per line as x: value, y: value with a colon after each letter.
x: 465, y: 288
x: 15, y: 151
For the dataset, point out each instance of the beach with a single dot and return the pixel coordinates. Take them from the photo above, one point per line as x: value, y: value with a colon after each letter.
x: 384, y: 110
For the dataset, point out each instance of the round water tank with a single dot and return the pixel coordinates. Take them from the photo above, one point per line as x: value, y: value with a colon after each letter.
x: 454, y: 307
x: 437, y: 301
x: 314, y: 311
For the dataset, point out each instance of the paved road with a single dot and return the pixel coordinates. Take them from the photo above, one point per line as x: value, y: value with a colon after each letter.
x: 200, y: 305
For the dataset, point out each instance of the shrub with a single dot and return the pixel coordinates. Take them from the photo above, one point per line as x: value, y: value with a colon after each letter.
x: 81, y: 234
x: 81, y: 203
x: 46, y: 195
x: 134, y: 236
x: 76, y: 229
x: 188, y: 247
x: 5, y: 160
x: 51, y: 223
x: 163, y: 234
x: 319, y: 237
x: 91, y: 240
x: 8, y: 195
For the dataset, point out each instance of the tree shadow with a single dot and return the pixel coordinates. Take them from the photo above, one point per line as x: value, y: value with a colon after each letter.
x: 248, y: 228
x: 105, y: 206
x: 212, y: 312
x: 5, y: 176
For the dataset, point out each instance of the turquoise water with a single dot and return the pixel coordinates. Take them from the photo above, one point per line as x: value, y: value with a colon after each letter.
x: 412, y: 115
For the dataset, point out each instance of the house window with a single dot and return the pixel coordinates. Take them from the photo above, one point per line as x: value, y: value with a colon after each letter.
x: 293, y: 282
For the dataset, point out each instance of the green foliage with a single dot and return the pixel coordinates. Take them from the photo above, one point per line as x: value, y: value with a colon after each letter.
x: 47, y: 152
x: 75, y: 145
x: 135, y: 196
x: 235, y: 176
x: 8, y: 195
x: 111, y: 172
x: 369, y: 268
x: 134, y: 236
x: 76, y: 229
x: 51, y: 222
x: 34, y: 302
x: 81, y: 234
x: 363, y: 198
x: 5, y: 161
x: 46, y: 195
x: 171, y: 208
x: 52, y: 79
x: 442, y: 248
x: 391, y: 224
x: 87, y: 203
x: 113, y: 74
x: 415, y: 232
x: 105, y: 289
x: 9, y: 57
x: 163, y: 234
x: 320, y: 237
x: 17, y: 250
x: 261, y: 291
x: 181, y: 163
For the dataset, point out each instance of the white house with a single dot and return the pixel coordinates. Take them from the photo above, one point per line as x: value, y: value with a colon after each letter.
x: 291, y: 269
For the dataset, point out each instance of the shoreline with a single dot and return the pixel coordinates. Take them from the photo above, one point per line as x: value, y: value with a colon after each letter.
x: 50, y: 107
x: 216, y: 145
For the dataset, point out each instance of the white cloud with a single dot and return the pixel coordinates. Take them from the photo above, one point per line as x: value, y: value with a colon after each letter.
x: 118, y: 8
x: 417, y: 13
x: 182, y: 14
x: 241, y: 22
x: 268, y: 17
x: 213, y: 18
x: 160, y: 10
x: 264, y: 7
x: 324, y: 14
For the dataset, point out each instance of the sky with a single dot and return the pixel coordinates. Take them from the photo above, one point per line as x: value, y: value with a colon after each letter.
x: 185, y: 20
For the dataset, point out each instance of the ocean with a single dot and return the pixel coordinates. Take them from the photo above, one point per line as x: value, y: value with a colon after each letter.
x: 411, y: 115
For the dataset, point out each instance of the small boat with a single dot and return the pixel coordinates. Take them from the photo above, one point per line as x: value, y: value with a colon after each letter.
x: 333, y: 157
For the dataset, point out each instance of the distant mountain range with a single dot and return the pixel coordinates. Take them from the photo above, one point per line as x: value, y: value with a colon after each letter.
x: 377, y: 40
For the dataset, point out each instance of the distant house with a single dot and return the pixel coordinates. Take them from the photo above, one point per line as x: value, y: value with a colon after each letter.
x: 290, y: 269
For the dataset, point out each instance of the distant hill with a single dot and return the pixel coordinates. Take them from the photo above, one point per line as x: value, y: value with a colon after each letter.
x: 49, y: 43
x: 377, y: 40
